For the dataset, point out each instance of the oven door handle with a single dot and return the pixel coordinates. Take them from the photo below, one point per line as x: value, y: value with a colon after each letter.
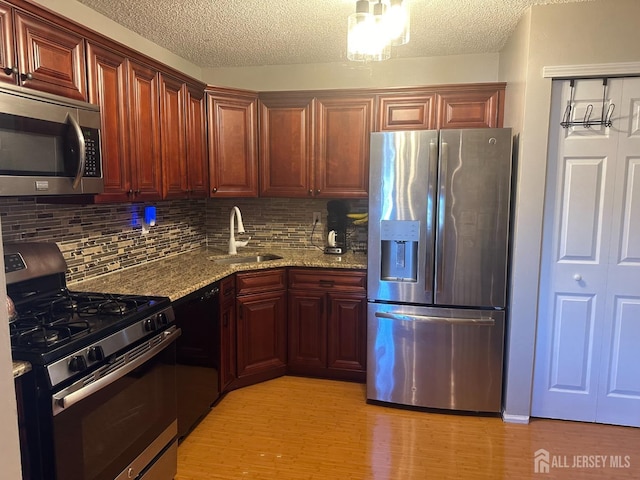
x: 64, y: 399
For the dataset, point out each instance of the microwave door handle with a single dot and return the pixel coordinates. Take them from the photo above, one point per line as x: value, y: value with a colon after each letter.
x: 82, y: 150
x: 65, y: 400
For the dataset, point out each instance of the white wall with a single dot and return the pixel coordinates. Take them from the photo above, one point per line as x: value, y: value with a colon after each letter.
x: 9, y: 442
x: 97, y: 22
x: 599, y: 32
x: 396, y: 72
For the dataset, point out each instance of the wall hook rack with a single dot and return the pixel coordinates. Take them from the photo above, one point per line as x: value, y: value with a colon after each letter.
x: 586, y: 122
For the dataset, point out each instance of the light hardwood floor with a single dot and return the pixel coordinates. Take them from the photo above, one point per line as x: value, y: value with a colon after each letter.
x: 299, y: 428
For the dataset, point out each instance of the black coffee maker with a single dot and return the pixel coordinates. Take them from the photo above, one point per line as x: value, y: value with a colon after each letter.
x: 337, y: 222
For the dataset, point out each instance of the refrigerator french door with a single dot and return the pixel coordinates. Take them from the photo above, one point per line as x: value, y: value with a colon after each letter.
x: 437, y: 267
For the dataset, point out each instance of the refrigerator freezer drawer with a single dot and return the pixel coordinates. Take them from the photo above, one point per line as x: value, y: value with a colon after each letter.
x: 435, y: 357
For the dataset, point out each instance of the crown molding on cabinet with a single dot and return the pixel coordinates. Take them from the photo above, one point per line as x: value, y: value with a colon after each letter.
x: 592, y: 70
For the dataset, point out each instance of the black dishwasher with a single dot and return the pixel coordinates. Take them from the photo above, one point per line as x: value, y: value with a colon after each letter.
x: 197, y: 355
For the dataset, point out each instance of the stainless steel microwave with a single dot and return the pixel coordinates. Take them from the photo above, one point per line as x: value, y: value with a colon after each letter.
x: 49, y: 145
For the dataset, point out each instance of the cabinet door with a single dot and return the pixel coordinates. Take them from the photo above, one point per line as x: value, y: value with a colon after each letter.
x: 406, y: 112
x: 50, y: 58
x: 7, y: 53
x: 196, y: 135
x: 172, y: 134
x: 261, y: 334
x: 227, y: 332
x: 144, y: 133
x: 233, y: 169
x: 227, y: 345
x: 286, y: 146
x: 307, y: 335
x: 343, y: 126
x: 347, y: 331
x: 107, y: 72
x: 473, y: 108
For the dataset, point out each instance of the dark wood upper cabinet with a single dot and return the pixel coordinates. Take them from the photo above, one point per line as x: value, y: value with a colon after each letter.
x: 130, y: 136
x: 471, y: 107
x: 172, y: 134
x: 144, y: 132
x: 7, y: 50
x: 343, y: 125
x: 233, y: 156
x: 196, y: 135
x: 107, y: 74
x: 406, y: 112
x: 315, y: 144
x: 49, y: 58
x: 286, y: 146
x: 183, y: 135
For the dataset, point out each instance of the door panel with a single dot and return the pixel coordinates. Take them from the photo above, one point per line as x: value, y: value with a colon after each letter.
x: 619, y: 392
x: 588, y: 340
x: 572, y: 343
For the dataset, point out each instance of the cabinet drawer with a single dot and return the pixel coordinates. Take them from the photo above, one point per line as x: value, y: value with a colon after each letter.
x: 261, y: 281
x: 227, y: 289
x: 351, y: 280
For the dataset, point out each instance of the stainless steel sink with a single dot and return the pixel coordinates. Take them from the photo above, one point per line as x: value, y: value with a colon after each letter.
x: 248, y: 259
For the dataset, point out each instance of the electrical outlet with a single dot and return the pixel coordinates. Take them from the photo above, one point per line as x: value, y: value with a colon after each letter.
x: 317, y: 218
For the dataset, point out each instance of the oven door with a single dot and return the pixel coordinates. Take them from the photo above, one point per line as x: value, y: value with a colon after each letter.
x: 121, y: 424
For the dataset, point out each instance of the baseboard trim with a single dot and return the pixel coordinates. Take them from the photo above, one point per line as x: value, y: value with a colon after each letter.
x: 508, y: 418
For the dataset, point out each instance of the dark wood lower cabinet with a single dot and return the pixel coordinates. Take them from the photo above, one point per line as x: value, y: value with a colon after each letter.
x: 261, y: 326
x: 313, y: 325
x: 327, y: 324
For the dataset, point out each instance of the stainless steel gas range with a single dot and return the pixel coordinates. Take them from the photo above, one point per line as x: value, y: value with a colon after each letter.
x: 102, y: 401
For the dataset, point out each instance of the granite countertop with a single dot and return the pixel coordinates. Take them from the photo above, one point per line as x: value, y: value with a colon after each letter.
x: 180, y: 275
x: 20, y: 368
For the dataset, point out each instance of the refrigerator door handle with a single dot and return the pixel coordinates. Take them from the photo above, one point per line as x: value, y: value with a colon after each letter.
x: 442, y: 211
x: 482, y: 321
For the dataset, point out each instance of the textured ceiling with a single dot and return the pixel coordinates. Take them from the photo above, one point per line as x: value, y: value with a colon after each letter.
x: 225, y: 33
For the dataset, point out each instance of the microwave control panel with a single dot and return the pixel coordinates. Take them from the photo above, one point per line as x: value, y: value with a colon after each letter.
x: 92, y: 152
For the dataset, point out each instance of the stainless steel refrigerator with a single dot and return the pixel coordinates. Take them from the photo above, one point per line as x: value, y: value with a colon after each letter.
x: 437, y: 267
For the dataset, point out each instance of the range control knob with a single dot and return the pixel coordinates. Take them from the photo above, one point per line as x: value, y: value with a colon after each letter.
x: 162, y: 319
x: 150, y: 324
x: 77, y: 363
x: 96, y: 353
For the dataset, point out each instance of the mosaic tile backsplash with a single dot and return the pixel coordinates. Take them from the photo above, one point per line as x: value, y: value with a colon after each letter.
x: 98, y: 239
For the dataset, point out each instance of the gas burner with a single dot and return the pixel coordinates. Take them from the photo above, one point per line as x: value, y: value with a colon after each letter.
x: 43, y: 337
x: 108, y: 306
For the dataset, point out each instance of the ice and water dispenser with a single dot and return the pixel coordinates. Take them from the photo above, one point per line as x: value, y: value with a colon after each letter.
x: 399, y: 241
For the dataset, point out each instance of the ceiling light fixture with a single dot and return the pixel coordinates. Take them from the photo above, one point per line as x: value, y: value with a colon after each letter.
x: 370, y: 37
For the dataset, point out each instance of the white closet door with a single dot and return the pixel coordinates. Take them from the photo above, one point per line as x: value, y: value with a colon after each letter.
x: 619, y: 385
x: 578, y: 222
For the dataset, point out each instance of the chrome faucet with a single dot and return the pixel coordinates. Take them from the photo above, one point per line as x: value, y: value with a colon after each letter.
x: 233, y: 243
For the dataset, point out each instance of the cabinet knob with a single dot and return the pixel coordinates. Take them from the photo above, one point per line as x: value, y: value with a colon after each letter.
x: 214, y: 190
x: 11, y: 70
x: 129, y: 192
x: 137, y: 192
x: 577, y: 277
x: 310, y: 192
x: 26, y: 76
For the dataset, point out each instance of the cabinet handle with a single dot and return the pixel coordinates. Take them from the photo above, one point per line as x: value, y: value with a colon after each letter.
x: 240, y: 309
x: 137, y: 192
x: 26, y: 76
x: 318, y: 192
x: 328, y: 307
x: 225, y: 319
x: 214, y: 190
x: 310, y: 192
x: 130, y: 192
x: 326, y: 283
x: 11, y: 70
